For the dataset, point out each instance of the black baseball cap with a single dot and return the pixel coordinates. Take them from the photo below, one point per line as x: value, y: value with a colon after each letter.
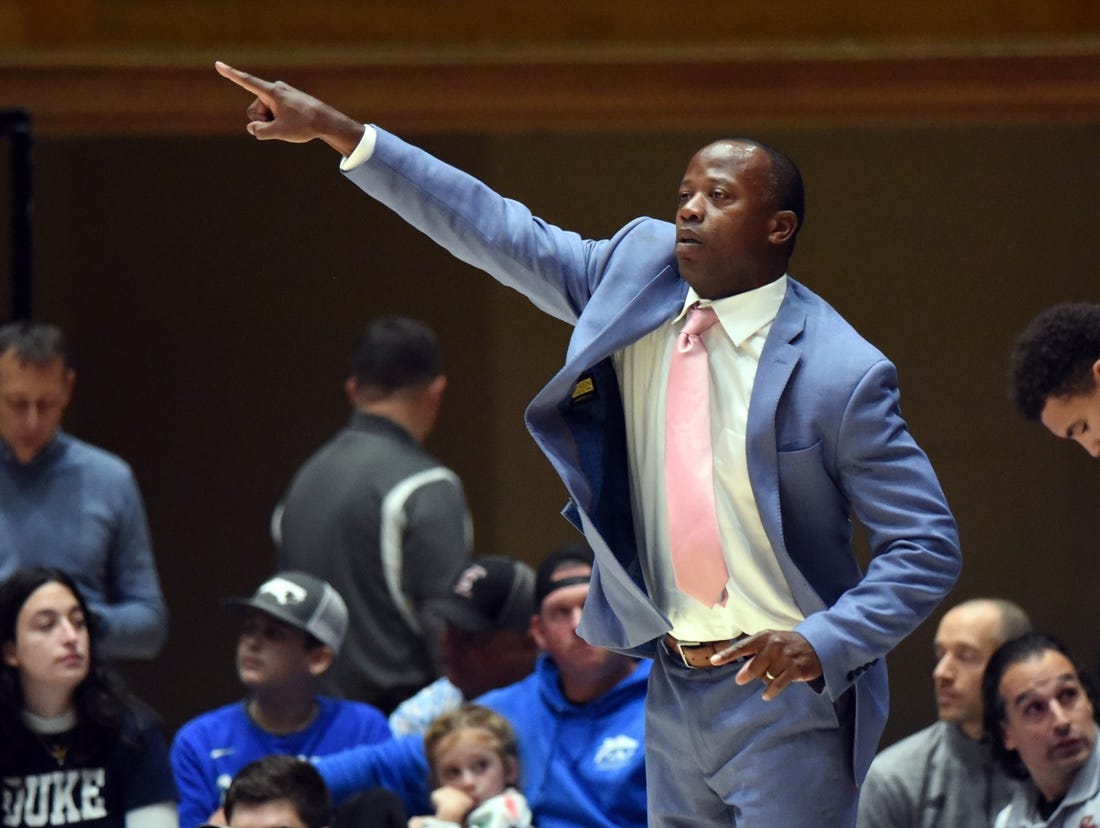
x: 493, y: 592
x: 573, y: 554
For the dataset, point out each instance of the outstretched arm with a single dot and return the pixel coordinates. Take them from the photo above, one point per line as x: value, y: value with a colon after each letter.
x: 283, y: 113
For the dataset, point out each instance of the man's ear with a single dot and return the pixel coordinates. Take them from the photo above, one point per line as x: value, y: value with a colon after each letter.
x: 351, y: 390
x: 1006, y: 738
x: 435, y: 390
x: 320, y: 659
x: 784, y: 225
x: 540, y: 639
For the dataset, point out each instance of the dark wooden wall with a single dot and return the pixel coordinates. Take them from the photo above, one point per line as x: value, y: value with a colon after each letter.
x: 212, y: 285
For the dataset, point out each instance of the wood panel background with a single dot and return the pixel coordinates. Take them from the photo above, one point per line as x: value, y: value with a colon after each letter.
x: 137, y: 67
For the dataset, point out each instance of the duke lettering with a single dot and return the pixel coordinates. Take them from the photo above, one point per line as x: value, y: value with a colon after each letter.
x: 61, y: 797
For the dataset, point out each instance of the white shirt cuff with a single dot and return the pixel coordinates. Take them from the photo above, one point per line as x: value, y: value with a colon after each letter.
x: 363, y: 152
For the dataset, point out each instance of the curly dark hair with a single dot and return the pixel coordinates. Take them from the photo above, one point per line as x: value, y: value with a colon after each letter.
x: 100, y: 701
x: 1027, y: 646
x: 1054, y: 355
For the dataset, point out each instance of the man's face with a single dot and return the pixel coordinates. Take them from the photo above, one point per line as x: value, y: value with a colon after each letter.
x: 965, y: 639
x: 479, y: 662
x: 554, y: 628
x: 1077, y: 417
x: 1048, y: 720
x: 32, y: 400
x: 272, y: 654
x: 275, y: 813
x: 728, y: 228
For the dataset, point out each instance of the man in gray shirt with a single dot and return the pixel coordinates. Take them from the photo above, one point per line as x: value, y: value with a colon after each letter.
x: 374, y: 513
x: 945, y: 776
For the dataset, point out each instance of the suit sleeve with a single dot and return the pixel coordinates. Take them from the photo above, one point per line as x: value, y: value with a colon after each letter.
x: 892, y: 489
x: 556, y: 269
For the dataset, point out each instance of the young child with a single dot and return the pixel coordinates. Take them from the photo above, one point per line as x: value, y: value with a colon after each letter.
x: 474, y: 763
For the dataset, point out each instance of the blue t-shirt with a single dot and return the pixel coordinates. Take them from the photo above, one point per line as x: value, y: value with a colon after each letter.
x: 209, y: 750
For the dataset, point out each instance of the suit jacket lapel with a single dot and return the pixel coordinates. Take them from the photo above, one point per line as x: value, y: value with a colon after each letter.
x: 777, y: 362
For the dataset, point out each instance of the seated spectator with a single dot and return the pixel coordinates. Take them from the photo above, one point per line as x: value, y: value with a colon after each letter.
x: 578, y: 718
x: 66, y: 503
x: 1056, y: 372
x: 278, y: 792
x: 917, y: 783
x: 74, y: 746
x: 474, y: 766
x: 1040, y: 715
x: 486, y: 643
x: 293, y: 627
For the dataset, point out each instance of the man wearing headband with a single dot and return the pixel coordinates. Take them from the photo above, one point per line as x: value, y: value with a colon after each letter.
x: 578, y: 719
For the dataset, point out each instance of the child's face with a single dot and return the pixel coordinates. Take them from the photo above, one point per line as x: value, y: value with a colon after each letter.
x: 470, y: 761
x: 271, y: 653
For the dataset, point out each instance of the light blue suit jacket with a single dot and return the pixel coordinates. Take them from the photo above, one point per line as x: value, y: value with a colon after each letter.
x: 825, y: 436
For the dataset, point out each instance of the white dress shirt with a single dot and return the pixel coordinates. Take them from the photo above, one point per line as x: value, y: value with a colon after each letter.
x: 759, y: 597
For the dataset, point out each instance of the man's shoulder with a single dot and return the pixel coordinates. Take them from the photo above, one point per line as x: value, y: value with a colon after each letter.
x: 822, y: 318
x: 216, y: 723
x: 348, y: 713
x: 910, y: 753
x: 77, y: 452
x: 369, y: 447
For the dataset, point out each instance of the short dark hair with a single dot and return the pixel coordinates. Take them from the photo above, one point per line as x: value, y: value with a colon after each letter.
x: 785, y: 187
x: 1027, y: 646
x: 35, y: 342
x: 1054, y: 355
x: 282, y: 777
x: 395, y: 352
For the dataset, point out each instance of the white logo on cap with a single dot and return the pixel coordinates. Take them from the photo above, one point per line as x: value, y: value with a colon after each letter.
x: 284, y: 591
x: 465, y: 584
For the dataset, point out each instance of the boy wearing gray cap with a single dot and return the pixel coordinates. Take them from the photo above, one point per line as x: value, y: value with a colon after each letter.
x: 292, y: 629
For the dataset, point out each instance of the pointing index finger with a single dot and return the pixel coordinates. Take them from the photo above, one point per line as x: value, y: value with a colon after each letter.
x: 257, y: 86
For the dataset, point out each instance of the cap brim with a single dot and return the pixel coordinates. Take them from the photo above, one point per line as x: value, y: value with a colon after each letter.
x: 461, y: 614
x: 239, y: 606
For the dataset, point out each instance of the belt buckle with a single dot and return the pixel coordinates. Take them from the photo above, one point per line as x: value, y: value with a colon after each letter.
x: 680, y: 649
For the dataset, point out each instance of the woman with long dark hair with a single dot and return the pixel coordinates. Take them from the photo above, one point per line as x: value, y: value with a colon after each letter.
x: 74, y: 746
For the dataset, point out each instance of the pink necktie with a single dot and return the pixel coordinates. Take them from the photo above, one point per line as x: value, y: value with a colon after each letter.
x: 697, y: 560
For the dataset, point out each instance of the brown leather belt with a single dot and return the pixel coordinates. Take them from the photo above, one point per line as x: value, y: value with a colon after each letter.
x: 696, y: 654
